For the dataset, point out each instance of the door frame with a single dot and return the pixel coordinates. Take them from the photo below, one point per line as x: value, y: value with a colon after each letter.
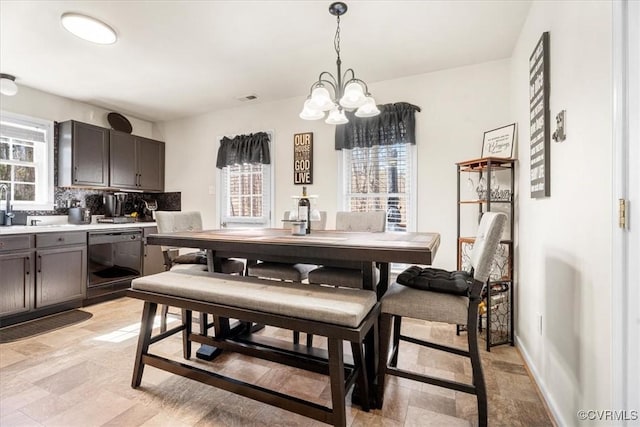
x: 625, y: 292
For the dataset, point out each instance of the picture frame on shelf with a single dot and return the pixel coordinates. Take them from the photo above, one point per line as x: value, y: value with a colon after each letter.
x: 499, y: 142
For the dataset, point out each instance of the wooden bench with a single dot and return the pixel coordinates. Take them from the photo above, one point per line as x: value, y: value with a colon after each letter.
x: 337, y: 314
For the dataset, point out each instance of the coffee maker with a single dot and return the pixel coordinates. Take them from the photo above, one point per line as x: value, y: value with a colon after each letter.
x: 114, y: 208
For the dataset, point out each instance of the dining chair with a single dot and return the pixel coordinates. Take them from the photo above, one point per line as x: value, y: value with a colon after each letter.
x: 373, y: 221
x: 286, y: 271
x: 437, y: 295
x: 176, y: 221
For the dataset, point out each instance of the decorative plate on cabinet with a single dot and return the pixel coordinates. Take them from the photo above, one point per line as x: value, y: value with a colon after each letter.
x: 119, y: 122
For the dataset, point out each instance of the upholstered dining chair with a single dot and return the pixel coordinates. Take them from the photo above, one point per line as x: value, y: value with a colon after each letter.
x: 288, y: 272
x: 175, y: 221
x: 438, y: 295
x: 373, y: 221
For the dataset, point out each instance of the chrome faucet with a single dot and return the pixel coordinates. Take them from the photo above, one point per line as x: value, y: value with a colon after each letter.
x: 7, y: 212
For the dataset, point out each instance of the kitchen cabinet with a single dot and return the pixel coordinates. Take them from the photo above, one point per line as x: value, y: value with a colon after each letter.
x: 61, y: 268
x: 83, y: 155
x: 153, y: 258
x: 16, y: 267
x: 41, y: 278
x: 137, y: 163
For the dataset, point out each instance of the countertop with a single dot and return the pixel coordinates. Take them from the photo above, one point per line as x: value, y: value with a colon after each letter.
x: 52, y: 228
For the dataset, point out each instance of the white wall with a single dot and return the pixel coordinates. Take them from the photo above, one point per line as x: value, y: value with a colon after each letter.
x: 43, y: 105
x: 564, y: 249
x: 458, y: 105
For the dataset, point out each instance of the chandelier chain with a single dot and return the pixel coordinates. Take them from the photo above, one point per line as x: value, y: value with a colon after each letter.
x: 336, y: 40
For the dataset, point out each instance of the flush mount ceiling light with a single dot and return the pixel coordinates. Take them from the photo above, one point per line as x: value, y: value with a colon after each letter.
x: 88, y: 28
x: 349, y: 92
x: 8, y: 85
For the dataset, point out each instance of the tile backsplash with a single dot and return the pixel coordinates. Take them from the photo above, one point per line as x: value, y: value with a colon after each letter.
x: 93, y: 199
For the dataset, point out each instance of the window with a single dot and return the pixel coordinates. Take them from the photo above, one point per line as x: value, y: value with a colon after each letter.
x: 246, y: 197
x: 245, y: 186
x: 381, y: 178
x: 26, y: 160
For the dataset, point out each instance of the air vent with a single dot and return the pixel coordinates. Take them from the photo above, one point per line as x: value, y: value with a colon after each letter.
x: 247, y: 98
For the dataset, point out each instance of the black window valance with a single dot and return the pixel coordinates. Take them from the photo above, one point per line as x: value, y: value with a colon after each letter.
x: 395, y: 124
x: 252, y: 148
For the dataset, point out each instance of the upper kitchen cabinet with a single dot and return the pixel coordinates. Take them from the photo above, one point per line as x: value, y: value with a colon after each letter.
x: 137, y: 163
x: 83, y: 155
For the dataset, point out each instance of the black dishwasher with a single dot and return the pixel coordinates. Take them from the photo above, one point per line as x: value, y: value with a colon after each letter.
x: 114, y: 257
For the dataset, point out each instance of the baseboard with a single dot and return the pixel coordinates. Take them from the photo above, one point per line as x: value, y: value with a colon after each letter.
x: 552, y: 408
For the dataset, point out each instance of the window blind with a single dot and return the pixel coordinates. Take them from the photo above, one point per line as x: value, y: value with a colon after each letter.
x: 379, y: 178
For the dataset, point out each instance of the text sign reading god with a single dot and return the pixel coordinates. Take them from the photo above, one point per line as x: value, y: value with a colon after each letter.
x: 303, y: 158
x: 539, y: 118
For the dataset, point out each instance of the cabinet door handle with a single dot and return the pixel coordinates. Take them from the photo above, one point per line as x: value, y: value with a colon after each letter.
x: 75, y: 174
x: 39, y: 267
x: 27, y: 265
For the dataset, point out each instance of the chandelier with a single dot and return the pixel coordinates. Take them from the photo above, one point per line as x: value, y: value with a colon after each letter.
x: 349, y: 92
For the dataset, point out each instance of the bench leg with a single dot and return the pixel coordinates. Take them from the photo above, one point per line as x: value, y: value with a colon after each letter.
x: 336, y: 375
x: 146, y: 327
x: 363, y: 382
x: 385, y: 338
x: 187, y: 319
x: 397, y: 324
x: 164, y: 312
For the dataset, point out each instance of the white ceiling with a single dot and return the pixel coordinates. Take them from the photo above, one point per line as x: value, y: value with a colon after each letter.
x: 179, y: 58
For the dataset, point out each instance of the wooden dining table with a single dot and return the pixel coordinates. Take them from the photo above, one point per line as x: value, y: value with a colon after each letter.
x: 324, y: 247
x: 364, y: 250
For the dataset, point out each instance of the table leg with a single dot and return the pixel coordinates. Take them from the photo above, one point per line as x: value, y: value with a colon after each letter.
x: 207, y: 352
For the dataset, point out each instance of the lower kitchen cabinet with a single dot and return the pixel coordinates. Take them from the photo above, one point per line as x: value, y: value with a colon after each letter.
x: 153, y: 258
x: 16, y: 286
x: 61, y: 275
x: 41, y: 274
x: 16, y: 275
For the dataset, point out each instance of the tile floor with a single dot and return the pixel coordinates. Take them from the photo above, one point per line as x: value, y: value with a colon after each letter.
x: 80, y: 376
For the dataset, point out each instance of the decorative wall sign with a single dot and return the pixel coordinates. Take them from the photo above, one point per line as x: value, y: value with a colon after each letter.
x: 499, y: 142
x: 539, y: 118
x: 303, y: 158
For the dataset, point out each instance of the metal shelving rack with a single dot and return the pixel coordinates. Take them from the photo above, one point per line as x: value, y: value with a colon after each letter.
x: 498, y: 295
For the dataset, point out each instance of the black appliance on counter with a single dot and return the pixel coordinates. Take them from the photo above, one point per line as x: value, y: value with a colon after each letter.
x: 114, y: 259
x: 114, y: 209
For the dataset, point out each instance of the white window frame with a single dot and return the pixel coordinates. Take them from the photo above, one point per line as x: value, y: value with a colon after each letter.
x: 44, y: 165
x: 412, y: 152
x: 268, y: 192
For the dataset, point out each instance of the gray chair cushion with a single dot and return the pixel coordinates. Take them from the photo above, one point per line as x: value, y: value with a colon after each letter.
x: 229, y: 266
x: 374, y: 221
x: 191, y: 258
x: 432, y: 306
x: 436, y: 280
x: 347, y: 277
x: 345, y: 307
x: 281, y: 271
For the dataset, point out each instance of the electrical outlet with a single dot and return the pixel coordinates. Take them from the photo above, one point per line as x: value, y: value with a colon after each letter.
x: 212, y: 190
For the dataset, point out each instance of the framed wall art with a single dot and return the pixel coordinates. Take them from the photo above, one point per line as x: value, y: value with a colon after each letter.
x: 499, y: 142
x: 303, y: 158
